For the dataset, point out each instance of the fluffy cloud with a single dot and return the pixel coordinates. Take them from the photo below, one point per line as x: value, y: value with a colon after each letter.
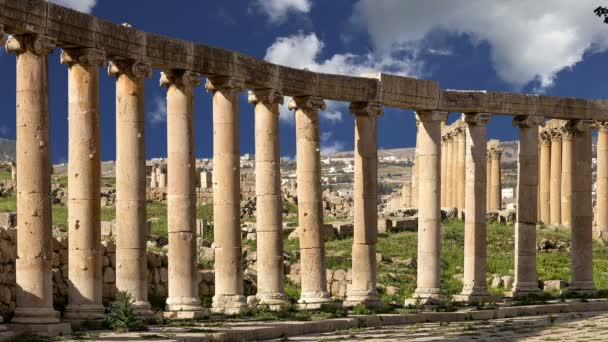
x: 304, y: 51
x: 159, y: 113
x: 529, y: 40
x: 329, y: 146
x: 278, y: 10
x: 85, y: 6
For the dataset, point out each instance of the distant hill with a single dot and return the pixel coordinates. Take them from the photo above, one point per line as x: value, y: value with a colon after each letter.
x: 7, y: 149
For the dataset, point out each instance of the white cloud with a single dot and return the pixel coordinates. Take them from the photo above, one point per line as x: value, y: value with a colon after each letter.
x: 303, y: 51
x: 159, y: 113
x: 85, y: 6
x: 529, y: 40
x: 328, y: 146
x: 278, y: 10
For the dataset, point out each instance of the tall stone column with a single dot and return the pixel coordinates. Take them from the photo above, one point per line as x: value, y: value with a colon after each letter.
x: 228, y: 296
x: 556, y: 177
x: 84, y: 180
x: 461, y: 169
x: 131, y: 240
x: 449, y: 185
x: 544, y: 180
x: 526, y: 281
x: 602, y: 180
x: 475, y: 228
x: 489, y: 178
x: 582, y: 210
x: 406, y: 195
x: 153, y: 178
x: 271, y: 278
x: 183, y: 301
x: 34, y: 238
x: 310, y: 210
x: 428, y: 289
x: 444, y: 162
x: 566, y: 186
x: 496, y: 192
x: 363, y: 287
x: 414, y: 171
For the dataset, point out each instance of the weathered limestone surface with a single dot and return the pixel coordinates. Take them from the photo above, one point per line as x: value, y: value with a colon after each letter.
x: 183, y: 301
x: 495, y: 179
x: 34, y: 277
x: 429, y: 212
x: 567, y: 165
x: 475, y: 240
x: 131, y: 270
x: 556, y: 177
x: 226, y: 193
x: 602, y: 180
x: 449, y: 172
x: 544, y: 173
x: 461, y: 139
x: 271, y: 279
x: 310, y: 212
x: 444, y: 170
x: 84, y: 181
x: 364, y: 274
x: 527, y: 189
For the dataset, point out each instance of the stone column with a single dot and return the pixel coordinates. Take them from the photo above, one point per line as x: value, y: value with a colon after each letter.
x: 228, y: 296
x: 489, y: 178
x: 131, y: 240
x: 582, y: 210
x: 153, y: 178
x: 310, y: 211
x: 162, y: 178
x: 414, y: 172
x: 475, y: 239
x: 444, y: 162
x: 526, y: 281
x: 602, y: 180
x: 84, y: 180
x: 363, y: 290
x: 544, y: 180
x: 34, y: 239
x: 271, y: 278
x: 183, y: 301
x: 556, y: 177
x: 461, y: 172
x: 428, y: 289
x: 566, y: 186
x: 496, y: 192
x: 449, y: 184
x: 406, y: 195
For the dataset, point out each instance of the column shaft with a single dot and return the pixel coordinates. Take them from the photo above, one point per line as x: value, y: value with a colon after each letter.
x: 228, y: 296
x: 444, y: 161
x: 34, y: 239
x: 131, y: 240
x: 183, y: 301
x: 602, y: 180
x: 310, y: 210
x: 566, y: 186
x: 475, y: 240
x: 461, y: 172
x: 429, y: 213
x: 84, y: 180
x: 545, y: 177
x: 271, y: 277
x: 495, y: 188
x: 363, y: 287
x: 489, y: 180
x: 556, y: 177
x: 449, y: 185
x: 527, y: 189
x: 582, y: 217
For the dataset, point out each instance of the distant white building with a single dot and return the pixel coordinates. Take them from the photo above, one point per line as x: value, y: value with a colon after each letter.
x: 508, y: 193
x: 390, y: 159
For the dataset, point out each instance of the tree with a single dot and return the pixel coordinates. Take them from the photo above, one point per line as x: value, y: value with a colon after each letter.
x: 602, y: 12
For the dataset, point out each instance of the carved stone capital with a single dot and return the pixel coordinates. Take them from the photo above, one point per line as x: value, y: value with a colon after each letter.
x: 306, y: 103
x: 555, y: 134
x: 581, y: 125
x: 567, y: 131
x: 180, y: 78
x: 33, y: 43
x: 366, y: 108
x: 131, y: 68
x: 224, y: 83
x: 601, y: 126
x: 544, y: 137
x: 83, y: 56
x: 528, y: 121
x: 476, y: 119
x: 266, y: 96
x: 431, y: 115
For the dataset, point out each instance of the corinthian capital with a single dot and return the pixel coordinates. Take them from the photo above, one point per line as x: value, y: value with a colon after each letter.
x: 367, y: 108
x: 544, y: 137
x: 224, y: 83
x: 180, y: 78
x: 528, y: 121
x: 33, y: 43
x: 601, y: 126
x: 476, y: 119
x: 306, y: 103
x: 83, y: 56
x: 266, y: 96
x: 130, y: 68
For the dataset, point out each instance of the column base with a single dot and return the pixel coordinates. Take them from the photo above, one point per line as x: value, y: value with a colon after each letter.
x: 35, y: 316
x: 314, y: 300
x: 183, y: 308
x: 367, y: 298
x: 586, y: 288
x: 143, y: 310
x: 275, y: 301
x: 229, y: 304
x: 85, y: 312
x: 476, y: 296
x: 49, y: 330
x: 426, y: 297
x: 524, y: 289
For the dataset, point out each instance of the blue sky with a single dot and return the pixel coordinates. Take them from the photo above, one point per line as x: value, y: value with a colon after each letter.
x: 556, y: 47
